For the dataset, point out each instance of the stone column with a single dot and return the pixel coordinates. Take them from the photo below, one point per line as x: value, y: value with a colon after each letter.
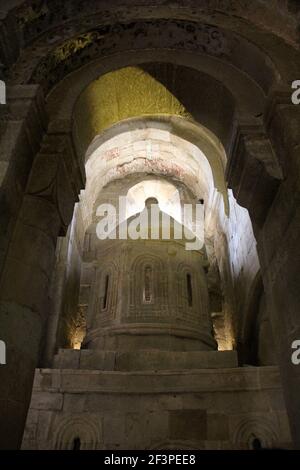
x: 253, y: 172
x: 279, y: 250
x: 264, y: 174
x: 45, y: 213
x: 23, y: 291
x: 56, y: 298
x: 22, y: 125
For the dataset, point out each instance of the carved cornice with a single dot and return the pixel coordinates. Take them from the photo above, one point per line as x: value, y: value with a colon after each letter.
x: 23, y: 124
x: 26, y: 106
x: 256, y: 143
x: 56, y: 174
x: 253, y: 171
x: 60, y: 134
x: 276, y: 99
x: 282, y: 123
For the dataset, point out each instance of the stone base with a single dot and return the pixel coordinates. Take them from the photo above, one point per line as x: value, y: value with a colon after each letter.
x: 137, y: 336
x: 198, y: 409
x: 144, y: 360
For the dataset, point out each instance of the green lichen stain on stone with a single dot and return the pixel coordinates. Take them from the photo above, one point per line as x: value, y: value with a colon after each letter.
x: 66, y: 50
x: 125, y: 93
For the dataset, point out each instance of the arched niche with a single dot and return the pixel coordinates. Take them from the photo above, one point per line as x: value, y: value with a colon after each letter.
x: 179, y: 149
x: 68, y: 52
x: 257, y: 346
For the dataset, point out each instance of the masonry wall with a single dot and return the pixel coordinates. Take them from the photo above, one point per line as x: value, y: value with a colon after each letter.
x: 236, y: 256
x: 204, y: 409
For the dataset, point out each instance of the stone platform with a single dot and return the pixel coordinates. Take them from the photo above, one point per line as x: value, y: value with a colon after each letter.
x: 143, y: 360
x: 224, y: 408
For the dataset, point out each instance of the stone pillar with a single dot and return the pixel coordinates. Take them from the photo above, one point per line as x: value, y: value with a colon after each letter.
x: 253, y: 172
x: 23, y: 291
x: 22, y: 125
x: 56, y: 298
x: 45, y: 213
x: 279, y: 250
x: 268, y: 184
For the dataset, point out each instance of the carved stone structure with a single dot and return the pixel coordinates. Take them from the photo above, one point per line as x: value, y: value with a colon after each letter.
x: 148, y: 363
x: 148, y: 294
x: 103, y: 96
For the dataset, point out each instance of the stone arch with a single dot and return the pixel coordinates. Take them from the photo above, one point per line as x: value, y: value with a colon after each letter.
x: 185, y: 136
x: 102, y: 103
x: 60, y: 104
x: 87, y: 429
x: 159, y: 286
x: 35, y: 20
x: 214, y: 41
x: 264, y: 158
x: 270, y: 71
x: 252, y: 168
x: 258, y: 427
x: 268, y: 167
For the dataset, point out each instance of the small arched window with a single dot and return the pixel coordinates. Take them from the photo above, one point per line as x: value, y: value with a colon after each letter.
x: 256, y: 444
x: 148, y: 285
x: 76, y: 444
x: 105, y: 294
x: 189, y: 289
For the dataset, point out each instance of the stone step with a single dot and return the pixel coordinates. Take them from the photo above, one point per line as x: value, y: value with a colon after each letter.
x: 144, y: 360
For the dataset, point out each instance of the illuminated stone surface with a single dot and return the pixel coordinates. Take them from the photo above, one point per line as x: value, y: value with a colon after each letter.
x: 214, y: 82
